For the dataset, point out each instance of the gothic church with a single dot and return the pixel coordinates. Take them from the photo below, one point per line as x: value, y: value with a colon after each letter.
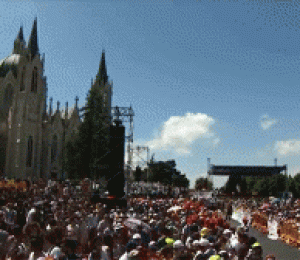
x: 32, y: 133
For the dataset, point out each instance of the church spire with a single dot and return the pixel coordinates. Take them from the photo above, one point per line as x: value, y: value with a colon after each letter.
x: 102, y: 73
x: 20, y: 34
x: 50, y: 108
x: 19, y: 42
x: 33, y: 43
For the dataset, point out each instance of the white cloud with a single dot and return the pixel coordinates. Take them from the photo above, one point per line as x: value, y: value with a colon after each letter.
x: 180, y: 132
x: 288, y: 147
x: 266, y: 122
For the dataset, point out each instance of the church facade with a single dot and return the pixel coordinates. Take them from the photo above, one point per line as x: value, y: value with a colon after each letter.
x: 32, y: 132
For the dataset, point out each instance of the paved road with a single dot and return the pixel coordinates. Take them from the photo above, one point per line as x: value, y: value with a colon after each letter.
x: 281, y: 250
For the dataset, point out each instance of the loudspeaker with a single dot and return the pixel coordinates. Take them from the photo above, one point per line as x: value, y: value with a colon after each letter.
x: 116, y: 181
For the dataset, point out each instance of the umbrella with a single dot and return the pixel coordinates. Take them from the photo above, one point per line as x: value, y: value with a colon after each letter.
x: 134, y: 223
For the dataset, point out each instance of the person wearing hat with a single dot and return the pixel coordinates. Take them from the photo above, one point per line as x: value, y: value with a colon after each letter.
x: 204, y: 232
x: 137, y: 239
x: 152, y: 251
x: 135, y: 254
x: 224, y: 255
x: 255, y: 252
x: 215, y: 257
x: 202, y: 246
x: 178, y: 248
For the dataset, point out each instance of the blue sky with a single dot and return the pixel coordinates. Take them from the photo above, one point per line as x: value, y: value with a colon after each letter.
x: 217, y: 79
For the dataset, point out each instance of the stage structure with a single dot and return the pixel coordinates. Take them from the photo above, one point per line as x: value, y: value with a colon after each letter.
x: 239, y: 171
x: 222, y: 170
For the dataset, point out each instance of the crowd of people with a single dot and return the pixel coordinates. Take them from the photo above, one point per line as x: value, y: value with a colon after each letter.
x: 59, y: 221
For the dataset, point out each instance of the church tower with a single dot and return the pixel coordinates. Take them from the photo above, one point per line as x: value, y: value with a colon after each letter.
x: 105, y: 86
x: 19, y: 44
x: 26, y: 112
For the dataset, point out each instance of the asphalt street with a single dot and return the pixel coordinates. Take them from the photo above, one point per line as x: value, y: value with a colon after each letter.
x: 281, y: 250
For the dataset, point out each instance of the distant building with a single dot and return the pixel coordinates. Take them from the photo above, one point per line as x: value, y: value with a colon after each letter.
x: 32, y: 133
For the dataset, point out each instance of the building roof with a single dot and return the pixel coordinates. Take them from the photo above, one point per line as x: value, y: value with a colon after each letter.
x: 9, y: 63
x: 11, y: 59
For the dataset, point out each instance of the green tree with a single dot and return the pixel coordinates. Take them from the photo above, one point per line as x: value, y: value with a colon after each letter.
x: 276, y: 184
x: 94, y: 135
x: 90, y: 147
x: 250, y: 182
x: 262, y: 186
x: 180, y: 181
x: 294, y: 185
x: 72, y: 157
x: 87, y: 152
x: 203, y: 183
x: 166, y: 173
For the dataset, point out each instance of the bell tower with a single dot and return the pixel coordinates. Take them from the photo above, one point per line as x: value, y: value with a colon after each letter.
x: 25, y: 133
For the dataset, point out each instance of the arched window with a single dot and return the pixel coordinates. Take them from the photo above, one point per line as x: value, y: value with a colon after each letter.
x: 34, y: 80
x: 29, y: 152
x: 54, y: 148
x: 22, y: 84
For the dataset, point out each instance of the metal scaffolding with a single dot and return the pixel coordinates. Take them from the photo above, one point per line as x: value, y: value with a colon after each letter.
x: 141, y: 149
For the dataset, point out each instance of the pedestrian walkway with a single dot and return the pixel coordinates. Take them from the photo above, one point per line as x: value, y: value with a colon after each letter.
x: 281, y: 250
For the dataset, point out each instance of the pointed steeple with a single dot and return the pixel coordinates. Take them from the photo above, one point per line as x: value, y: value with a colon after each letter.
x: 102, y: 73
x: 21, y: 35
x: 66, y: 111
x: 33, y: 42
x: 50, y: 107
x: 19, y: 42
x: 57, y: 108
x: 76, y: 102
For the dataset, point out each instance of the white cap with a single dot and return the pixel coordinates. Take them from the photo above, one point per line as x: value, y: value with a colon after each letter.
x: 196, y: 243
x: 203, y: 242
x: 152, y: 243
x: 56, y: 252
x: 178, y: 244
x: 227, y: 231
x: 137, y: 236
